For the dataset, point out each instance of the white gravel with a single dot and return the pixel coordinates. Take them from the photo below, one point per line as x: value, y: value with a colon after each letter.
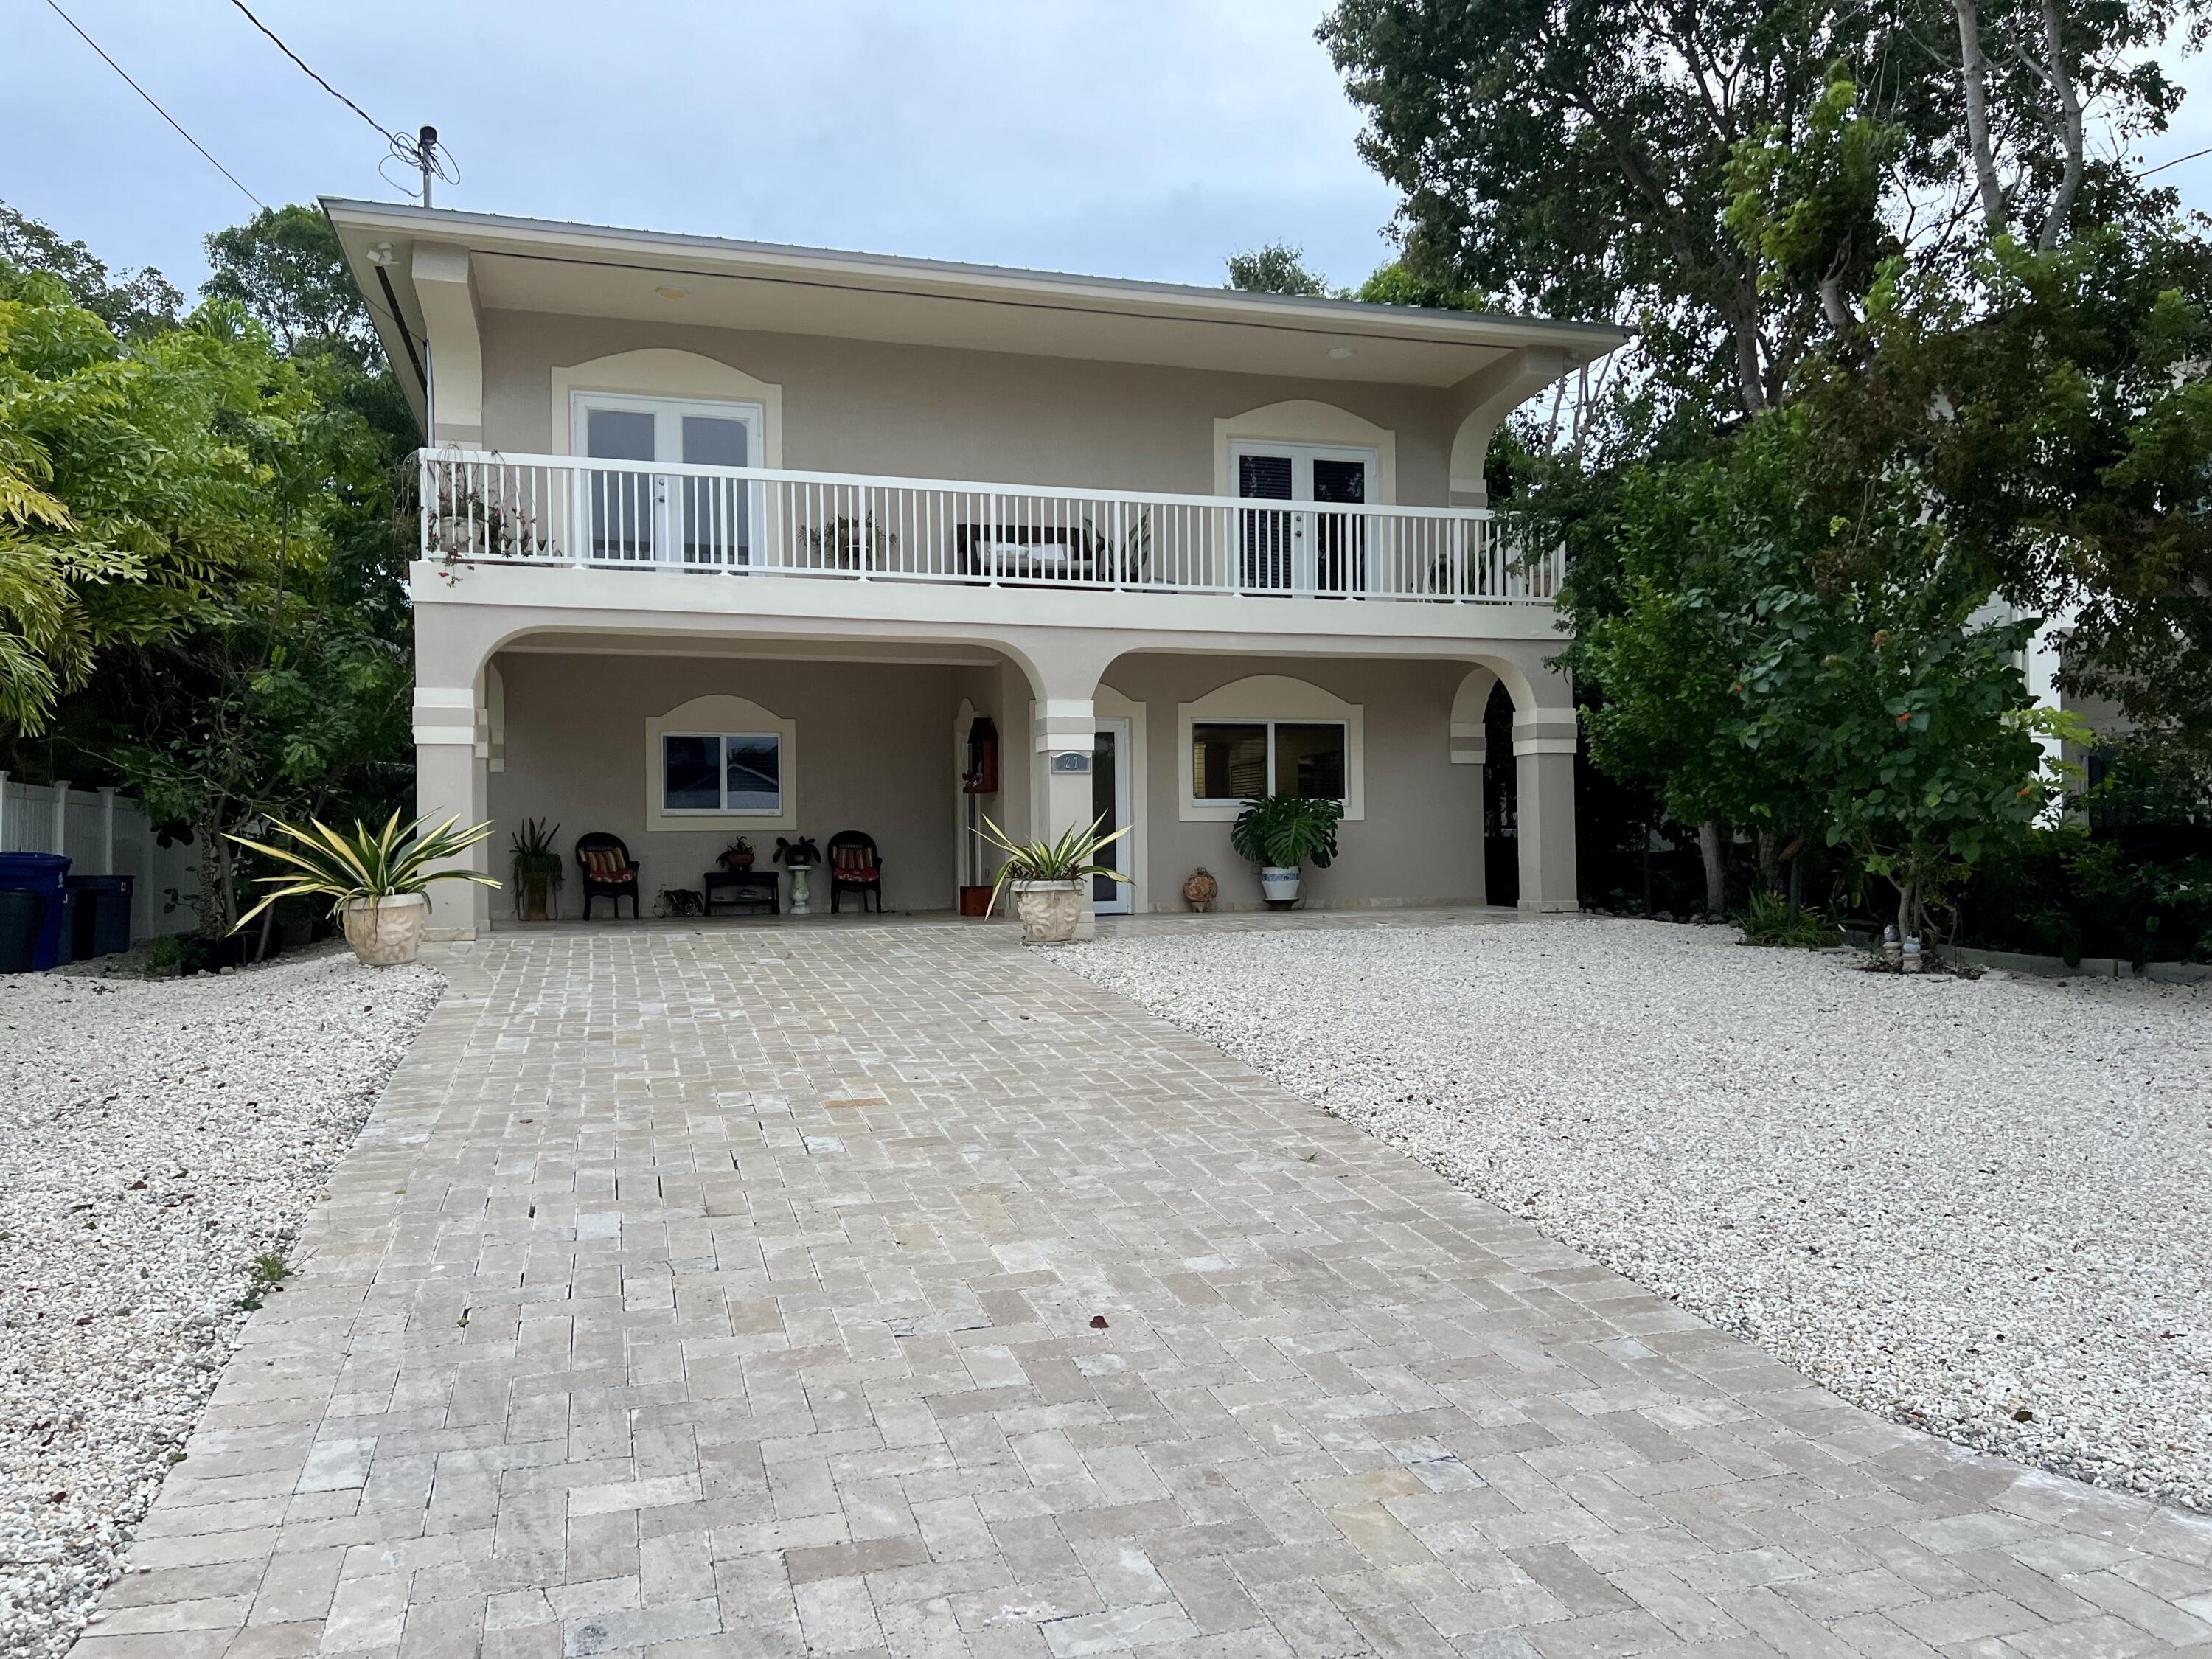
x: 155, y: 1138
x: 1977, y: 1206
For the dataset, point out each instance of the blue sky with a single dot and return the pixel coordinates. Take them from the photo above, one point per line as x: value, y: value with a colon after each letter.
x: 1138, y: 138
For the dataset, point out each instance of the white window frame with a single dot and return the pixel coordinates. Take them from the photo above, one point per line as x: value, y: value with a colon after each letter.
x: 1257, y: 700
x: 716, y: 714
x: 668, y: 415
x: 1302, y: 527
x: 1269, y: 723
x: 722, y: 809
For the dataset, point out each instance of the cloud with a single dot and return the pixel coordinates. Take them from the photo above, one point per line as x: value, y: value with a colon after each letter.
x: 1144, y: 138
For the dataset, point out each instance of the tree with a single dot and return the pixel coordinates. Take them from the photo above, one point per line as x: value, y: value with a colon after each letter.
x: 1664, y: 649
x: 127, y: 504
x: 284, y: 268
x: 1278, y: 268
x: 1909, y: 717
x: 136, y: 303
x: 2058, y: 404
x: 212, y: 523
x: 1581, y: 161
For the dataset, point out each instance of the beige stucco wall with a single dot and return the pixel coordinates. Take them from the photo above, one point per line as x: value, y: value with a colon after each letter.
x: 874, y: 752
x: 924, y: 411
x: 1421, y: 837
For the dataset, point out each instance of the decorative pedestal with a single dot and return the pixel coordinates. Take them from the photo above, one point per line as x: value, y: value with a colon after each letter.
x: 801, y: 889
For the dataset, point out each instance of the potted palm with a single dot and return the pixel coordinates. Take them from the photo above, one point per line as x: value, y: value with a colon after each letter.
x: 1046, y: 877
x: 376, y: 880
x: 1283, y: 833
x: 537, y: 868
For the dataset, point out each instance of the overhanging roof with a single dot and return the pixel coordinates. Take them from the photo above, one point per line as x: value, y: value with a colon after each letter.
x: 571, y: 270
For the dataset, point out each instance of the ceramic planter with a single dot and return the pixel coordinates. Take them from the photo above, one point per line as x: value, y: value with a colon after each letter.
x: 536, y: 888
x: 1279, y: 882
x: 386, y: 931
x: 1049, y: 910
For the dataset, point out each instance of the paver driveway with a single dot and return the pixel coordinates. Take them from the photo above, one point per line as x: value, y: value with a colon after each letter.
x: 887, y: 1288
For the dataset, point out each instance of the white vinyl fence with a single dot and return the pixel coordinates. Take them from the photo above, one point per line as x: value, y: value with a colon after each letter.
x: 104, y: 834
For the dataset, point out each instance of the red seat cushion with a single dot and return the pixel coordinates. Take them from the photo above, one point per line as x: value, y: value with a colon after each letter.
x: 606, y: 864
x: 859, y: 872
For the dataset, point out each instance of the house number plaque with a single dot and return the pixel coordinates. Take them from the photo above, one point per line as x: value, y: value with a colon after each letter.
x: 1071, y: 762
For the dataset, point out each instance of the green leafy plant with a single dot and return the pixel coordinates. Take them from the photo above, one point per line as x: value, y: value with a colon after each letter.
x: 267, y: 1272
x: 1769, y: 920
x: 1288, y: 831
x: 1073, y: 857
x: 345, y: 865
x: 738, y: 854
x: 536, y: 859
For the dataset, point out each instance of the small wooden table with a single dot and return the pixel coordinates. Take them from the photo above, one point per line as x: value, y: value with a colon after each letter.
x: 754, y: 891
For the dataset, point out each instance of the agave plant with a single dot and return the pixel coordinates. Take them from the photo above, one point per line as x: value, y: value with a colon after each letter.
x: 1073, y: 857
x: 361, y: 863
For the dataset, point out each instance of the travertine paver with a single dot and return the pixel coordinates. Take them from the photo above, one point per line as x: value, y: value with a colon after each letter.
x: 886, y: 1290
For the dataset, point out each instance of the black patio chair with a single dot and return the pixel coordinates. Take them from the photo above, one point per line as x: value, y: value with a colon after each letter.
x: 854, y: 863
x: 608, y: 869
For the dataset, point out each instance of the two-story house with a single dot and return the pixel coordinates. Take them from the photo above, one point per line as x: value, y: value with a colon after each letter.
x: 723, y: 539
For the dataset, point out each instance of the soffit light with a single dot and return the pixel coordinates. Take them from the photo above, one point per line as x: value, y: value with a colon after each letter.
x: 670, y: 293
x: 1339, y: 352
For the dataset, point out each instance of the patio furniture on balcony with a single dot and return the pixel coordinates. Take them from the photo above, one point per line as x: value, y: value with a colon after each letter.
x: 855, y: 864
x: 608, y: 869
x: 752, y: 522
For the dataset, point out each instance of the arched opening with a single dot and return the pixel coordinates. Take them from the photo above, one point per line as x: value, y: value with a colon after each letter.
x: 1501, y: 802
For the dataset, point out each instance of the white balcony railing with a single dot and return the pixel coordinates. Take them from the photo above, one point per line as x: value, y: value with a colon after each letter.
x: 627, y: 516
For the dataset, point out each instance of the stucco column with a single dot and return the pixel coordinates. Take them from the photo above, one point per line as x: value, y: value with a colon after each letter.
x: 450, y: 771
x: 1543, y: 770
x: 1065, y: 731
x: 1063, y: 736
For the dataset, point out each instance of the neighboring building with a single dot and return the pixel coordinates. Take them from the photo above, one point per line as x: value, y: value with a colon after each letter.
x: 725, y: 539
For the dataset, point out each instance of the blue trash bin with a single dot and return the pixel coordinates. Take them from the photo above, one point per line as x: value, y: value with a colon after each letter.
x: 21, y: 916
x: 103, y: 916
x: 46, y: 873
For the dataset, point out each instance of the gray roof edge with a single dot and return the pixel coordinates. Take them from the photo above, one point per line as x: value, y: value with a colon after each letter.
x: 1603, y: 336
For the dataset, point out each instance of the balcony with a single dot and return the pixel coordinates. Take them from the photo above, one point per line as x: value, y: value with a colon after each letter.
x: 568, y: 511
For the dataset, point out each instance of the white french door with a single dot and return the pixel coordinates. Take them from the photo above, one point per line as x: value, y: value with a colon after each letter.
x: 647, y: 518
x: 1283, y: 551
x: 1109, y: 800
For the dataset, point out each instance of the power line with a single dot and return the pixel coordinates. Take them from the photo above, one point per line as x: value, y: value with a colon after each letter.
x: 157, y: 109
x: 423, y: 152
x: 2175, y: 162
x: 390, y: 136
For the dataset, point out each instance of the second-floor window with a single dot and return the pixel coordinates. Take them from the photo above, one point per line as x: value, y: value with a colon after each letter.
x: 638, y: 516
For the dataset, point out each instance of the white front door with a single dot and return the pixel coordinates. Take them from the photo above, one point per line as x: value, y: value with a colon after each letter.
x: 638, y: 516
x: 1287, y: 551
x: 1109, y: 800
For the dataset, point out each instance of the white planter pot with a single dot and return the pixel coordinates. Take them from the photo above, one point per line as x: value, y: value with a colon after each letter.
x: 386, y: 931
x: 1279, y: 882
x: 1049, y: 910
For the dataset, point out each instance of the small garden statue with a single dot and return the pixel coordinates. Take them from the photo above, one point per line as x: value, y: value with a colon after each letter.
x: 799, y: 857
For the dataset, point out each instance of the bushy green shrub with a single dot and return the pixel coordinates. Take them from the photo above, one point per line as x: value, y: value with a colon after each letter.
x: 1768, y: 919
x: 2069, y: 893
